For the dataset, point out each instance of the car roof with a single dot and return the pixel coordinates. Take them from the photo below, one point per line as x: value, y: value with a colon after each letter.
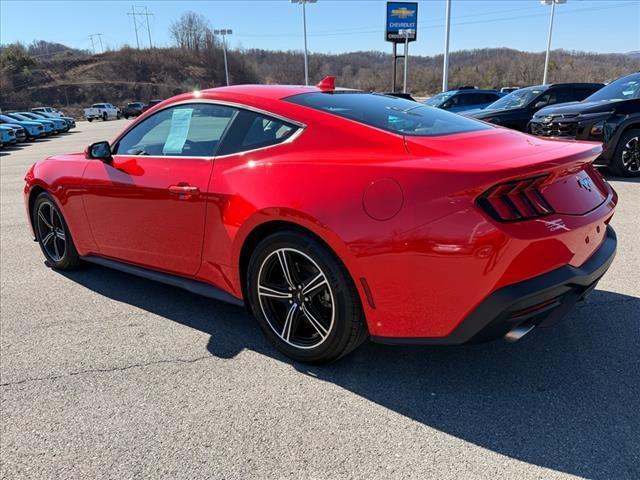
x: 271, y: 92
x: 474, y: 90
x: 571, y: 84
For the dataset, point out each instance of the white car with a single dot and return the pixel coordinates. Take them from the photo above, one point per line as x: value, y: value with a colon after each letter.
x: 50, y: 110
x: 105, y: 111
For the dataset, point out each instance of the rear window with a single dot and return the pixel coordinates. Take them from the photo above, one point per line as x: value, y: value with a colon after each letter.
x: 393, y: 114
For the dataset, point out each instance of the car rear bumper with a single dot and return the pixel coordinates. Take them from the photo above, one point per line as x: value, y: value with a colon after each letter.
x: 540, y: 301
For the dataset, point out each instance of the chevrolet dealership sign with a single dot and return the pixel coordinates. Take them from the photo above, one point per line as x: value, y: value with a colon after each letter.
x: 401, y: 16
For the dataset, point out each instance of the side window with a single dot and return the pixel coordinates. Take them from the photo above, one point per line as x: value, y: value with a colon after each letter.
x: 251, y: 130
x: 564, y: 95
x: 192, y: 130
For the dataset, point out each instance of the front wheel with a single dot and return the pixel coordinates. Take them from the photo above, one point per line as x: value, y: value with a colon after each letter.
x: 118, y: 116
x: 304, y: 299
x: 626, y: 158
x: 89, y: 120
x: 53, y: 234
x: 104, y: 116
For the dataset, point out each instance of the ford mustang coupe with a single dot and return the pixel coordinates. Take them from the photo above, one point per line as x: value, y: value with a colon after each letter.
x: 336, y: 215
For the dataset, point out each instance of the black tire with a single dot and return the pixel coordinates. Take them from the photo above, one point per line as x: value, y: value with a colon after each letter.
x: 334, y: 304
x: 622, y: 155
x: 89, y: 120
x: 118, y: 116
x: 126, y: 116
x: 47, y: 219
x: 104, y: 116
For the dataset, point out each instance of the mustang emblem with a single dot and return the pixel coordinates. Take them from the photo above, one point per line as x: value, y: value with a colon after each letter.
x: 585, y: 182
x: 548, y: 119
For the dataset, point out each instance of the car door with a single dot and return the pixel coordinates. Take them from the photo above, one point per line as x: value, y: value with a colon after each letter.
x: 147, y: 206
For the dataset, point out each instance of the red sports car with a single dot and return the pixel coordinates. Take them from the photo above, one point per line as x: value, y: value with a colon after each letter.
x: 336, y: 215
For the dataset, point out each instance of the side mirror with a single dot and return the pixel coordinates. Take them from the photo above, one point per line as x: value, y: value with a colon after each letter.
x: 99, y: 151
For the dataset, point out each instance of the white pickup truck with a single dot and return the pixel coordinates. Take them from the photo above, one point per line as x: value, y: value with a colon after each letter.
x: 105, y: 111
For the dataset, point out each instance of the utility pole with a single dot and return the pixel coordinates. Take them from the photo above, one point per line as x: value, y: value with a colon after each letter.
x: 140, y: 23
x: 224, y: 32
x: 445, y: 66
x: 99, y: 35
x: 93, y: 47
x: 304, y: 27
x: 553, y: 4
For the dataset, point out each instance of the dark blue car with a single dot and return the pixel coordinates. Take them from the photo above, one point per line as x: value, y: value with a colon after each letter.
x: 464, y: 99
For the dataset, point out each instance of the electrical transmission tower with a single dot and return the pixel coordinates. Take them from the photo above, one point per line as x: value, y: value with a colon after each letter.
x: 140, y: 16
x: 99, y: 35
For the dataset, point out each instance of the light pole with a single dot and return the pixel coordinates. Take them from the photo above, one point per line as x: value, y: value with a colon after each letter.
x: 223, y: 33
x: 406, y: 33
x: 304, y: 26
x: 445, y: 66
x: 553, y: 4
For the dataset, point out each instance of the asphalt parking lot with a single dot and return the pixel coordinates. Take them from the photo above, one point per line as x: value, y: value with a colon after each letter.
x: 104, y: 375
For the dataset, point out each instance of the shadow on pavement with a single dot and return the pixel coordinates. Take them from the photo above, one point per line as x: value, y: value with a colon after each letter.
x: 565, y: 398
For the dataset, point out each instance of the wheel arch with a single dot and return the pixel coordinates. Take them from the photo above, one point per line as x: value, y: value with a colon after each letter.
x: 33, y: 194
x: 269, y: 227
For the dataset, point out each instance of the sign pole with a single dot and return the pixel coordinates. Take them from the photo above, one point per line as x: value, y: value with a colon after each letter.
x: 395, y: 65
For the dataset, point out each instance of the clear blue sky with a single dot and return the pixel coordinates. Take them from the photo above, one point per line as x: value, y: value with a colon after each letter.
x: 336, y: 25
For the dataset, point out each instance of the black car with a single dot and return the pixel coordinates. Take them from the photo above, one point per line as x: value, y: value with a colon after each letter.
x: 611, y: 115
x: 517, y: 108
x: 133, y: 109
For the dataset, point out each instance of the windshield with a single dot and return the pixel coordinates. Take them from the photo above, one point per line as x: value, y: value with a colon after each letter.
x: 439, y: 99
x: 393, y: 114
x: 21, y: 117
x: 624, y: 88
x: 518, y: 99
x: 7, y: 119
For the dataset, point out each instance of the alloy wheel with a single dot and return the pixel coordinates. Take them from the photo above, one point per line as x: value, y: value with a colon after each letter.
x: 296, y: 298
x: 631, y: 155
x: 51, y: 231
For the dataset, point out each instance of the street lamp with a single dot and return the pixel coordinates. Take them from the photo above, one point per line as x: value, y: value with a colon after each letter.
x: 304, y: 26
x: 223, y: 33
x: 445, y: 66
x: 553, y: 4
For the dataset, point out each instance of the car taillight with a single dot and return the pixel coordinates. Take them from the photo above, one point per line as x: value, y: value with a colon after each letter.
x: 516, y: 200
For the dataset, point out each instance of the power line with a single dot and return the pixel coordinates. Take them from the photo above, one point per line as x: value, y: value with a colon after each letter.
x: 140, y: 17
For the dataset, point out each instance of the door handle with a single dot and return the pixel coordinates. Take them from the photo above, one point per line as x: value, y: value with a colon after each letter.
x: 184, y: 190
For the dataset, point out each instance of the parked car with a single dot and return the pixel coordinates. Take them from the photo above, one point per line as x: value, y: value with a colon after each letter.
x: 32, y: 130
x: 516, y: 108
x: 463, y: 99
x: 48, y: 125
x: 8, y: 135
x: 133, y: 109
x: 49, y: 110
x: 104, y: 111
x: 59, y: 125
x: 19, y: 131
x: 611, y: 115
x: 354, y: 215
x: 70, y: 121
x: 152, y: 103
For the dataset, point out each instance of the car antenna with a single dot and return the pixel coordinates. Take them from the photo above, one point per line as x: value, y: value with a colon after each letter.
x: 327, y: 84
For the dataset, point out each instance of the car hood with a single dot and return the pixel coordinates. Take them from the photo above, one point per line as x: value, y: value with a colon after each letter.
x: 28, y: 123
x: 577, y: 108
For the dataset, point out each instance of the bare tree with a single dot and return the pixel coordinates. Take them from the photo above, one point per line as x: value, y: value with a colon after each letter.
x: 190, y: 31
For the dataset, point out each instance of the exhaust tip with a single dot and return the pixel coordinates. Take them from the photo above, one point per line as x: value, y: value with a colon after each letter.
x: 518, y: 332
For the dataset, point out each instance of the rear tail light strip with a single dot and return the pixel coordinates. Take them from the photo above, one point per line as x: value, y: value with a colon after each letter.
x: 516, y: 200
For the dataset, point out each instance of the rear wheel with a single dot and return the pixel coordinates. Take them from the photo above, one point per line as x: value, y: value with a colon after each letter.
x: 626, y: 159
x: 104, y: 116
x: 53, y: 234
x: 304, y: 299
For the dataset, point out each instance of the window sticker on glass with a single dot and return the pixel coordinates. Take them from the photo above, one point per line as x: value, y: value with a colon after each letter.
x: 180, y: 123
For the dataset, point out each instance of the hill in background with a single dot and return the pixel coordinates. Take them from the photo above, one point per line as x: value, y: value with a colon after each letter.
x: 52, y: 74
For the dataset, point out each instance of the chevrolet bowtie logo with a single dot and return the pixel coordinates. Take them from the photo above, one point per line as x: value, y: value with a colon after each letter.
x: 402, y: 12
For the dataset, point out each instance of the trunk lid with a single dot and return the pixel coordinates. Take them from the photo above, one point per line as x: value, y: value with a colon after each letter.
x: 571, y: 184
